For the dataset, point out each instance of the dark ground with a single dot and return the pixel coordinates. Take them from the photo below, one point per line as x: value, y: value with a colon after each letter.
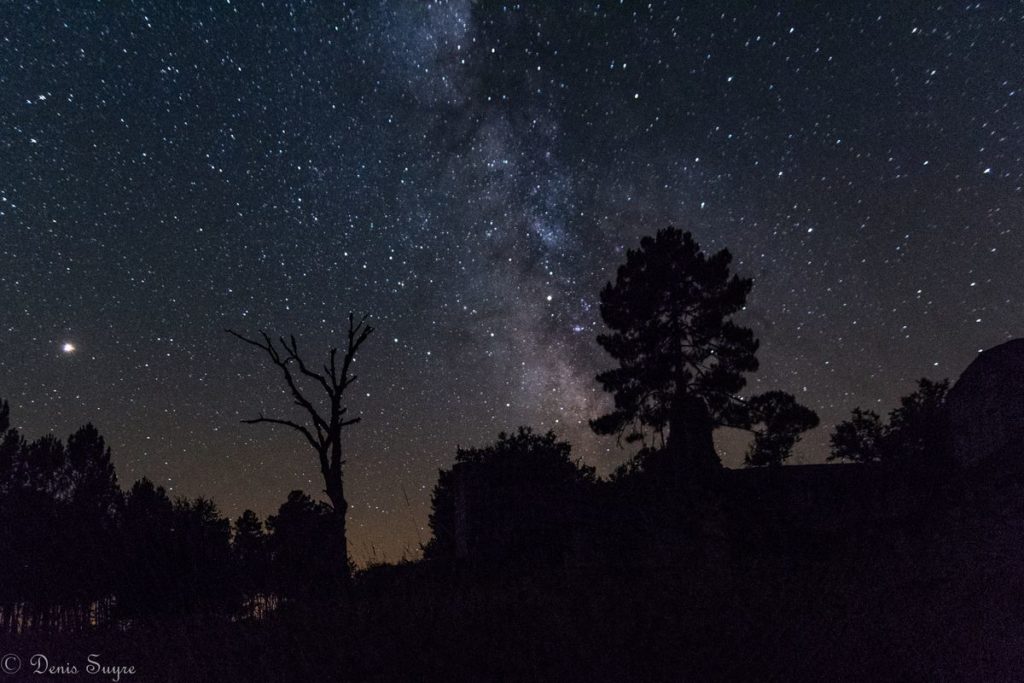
x: 934, y: 594
x: 935, y: 609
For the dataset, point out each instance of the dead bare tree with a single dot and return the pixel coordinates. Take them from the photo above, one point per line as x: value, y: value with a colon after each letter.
x: 322, y: 429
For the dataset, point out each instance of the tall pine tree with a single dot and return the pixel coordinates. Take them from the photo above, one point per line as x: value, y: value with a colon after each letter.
x: 682, y: 359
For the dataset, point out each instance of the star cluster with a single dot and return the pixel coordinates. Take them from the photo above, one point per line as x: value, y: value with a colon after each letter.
x: 470, y: 174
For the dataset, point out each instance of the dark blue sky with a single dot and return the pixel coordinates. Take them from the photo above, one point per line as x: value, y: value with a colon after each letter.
x: 470, y: 175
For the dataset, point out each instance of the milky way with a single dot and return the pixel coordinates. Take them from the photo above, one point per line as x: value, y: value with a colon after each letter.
x: 470, y: 174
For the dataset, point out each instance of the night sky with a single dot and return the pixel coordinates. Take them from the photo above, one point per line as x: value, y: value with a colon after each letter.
x: 470, y: 174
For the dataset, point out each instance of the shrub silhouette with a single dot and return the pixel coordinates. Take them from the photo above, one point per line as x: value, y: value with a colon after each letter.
x: 306, y: 549
x: 525, y: 498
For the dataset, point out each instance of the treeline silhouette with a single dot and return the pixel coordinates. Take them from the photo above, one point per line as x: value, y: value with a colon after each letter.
x: 525, y: 502
x: 550, y: 570
x: 139, y: 554
x: 76, y: 550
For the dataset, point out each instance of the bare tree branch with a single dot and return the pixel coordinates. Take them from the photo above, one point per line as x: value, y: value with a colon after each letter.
x: 293, y: 354
x: 288, y: 423
x: 357, y: 334
x: 275, y: 357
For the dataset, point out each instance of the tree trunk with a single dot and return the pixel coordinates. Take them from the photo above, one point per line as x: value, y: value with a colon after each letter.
x: 335, y: 490
x: 690, y: 444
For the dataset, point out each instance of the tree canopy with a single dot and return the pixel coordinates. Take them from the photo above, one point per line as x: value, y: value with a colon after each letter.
x: 525, y: 491
x: 916, y: 431
x: 682, y: 359
x: 777, y: 421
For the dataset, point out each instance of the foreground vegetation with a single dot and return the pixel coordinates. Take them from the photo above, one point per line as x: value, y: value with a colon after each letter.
x: 948, y: 610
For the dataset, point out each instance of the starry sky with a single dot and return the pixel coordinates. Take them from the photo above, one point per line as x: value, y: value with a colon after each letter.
x: 470, y: 174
